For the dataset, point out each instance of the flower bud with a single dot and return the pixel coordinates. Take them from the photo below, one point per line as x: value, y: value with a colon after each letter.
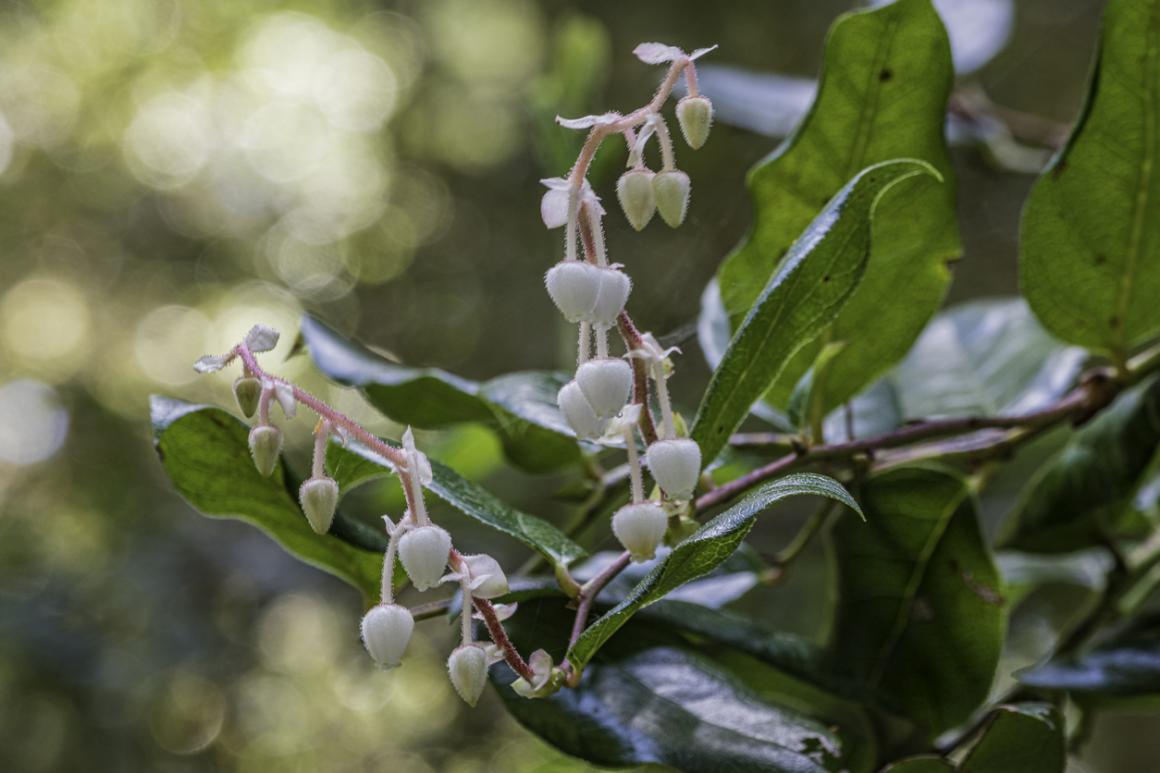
x: 606, y: 383
x: 614, y: 289
x: 467, y: 668
x: 579, y: 412
x: 265, y: 446
x: 386, y: 631
x: 485, y: 577
x: 247, y: 390
x: 675, y: 466
x: 672, y: 192
x: 640, y: 528
x: 635, y: 191
x: 319, y: 498
x: 424, y: 553
x: 695, y: 115
x: 574, y: 286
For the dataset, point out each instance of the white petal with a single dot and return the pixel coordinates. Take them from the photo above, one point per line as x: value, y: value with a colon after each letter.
x: 554, y: 208
x: 284, y: 394
x: 556, y: 183
x: 657, y: 53
x: 588, y: 121
x: 211, y: 363
x: 697, y: 54
x: 261, y: 338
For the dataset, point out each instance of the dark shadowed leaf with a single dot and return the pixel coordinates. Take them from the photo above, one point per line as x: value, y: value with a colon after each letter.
x: 884, y: 86
x: 355, y: 464
x: 817, y: 278
x: 205, y: 453
x: 1019, y: 738
x: 1090, y: 244
x: 701, y: 552
x: 520, y: 407
x: 920, y: 616
x: 1127, y: 665
x: 1073, y: 499
x: 924, y: 763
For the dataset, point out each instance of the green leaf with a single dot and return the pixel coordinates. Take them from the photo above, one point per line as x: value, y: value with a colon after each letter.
x: 1068, y: 505
x: 884, y: 86
x: 1019, y: 738
x: 355, y: 464
x: 1126, y: 665
x: 699, y: 553
x: 205, y: 452
x: 1024, y: 572
x: 1090, y: 244
x: 519, y: 407
x: 920, y: 617
x: 923, y: 763
x: 816, y: 279
x: 649, y: 700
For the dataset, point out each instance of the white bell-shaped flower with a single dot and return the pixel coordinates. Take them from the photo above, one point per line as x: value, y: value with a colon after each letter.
x: 319, y: 498
x: 574, y: 286
x: 672, y: 192
x: 695, y: 115
x: 675, y: 464
x: 578, y: 412
x: 634, y: 189
x: 606, y: 383
x: 640, y: 528
x: 615, y: 286
x: 424, y: 552
x: 265, y: 447
x: 467, y: 668
x: 485, y: 577
x: 386, y: 631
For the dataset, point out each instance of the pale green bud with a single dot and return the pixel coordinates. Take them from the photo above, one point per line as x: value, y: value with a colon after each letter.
x: 247, y: 390
x: 672, y: 193
x: 319, y: 499
x: 695, y: 115
x: 467, y: 668
x: 634, y: 189
x: 424, y: 552
x: 265, y: 447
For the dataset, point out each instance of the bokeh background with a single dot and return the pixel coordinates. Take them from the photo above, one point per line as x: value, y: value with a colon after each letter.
x: 173, y: 171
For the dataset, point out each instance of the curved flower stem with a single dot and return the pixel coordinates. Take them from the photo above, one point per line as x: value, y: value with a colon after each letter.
x: 388, y: 584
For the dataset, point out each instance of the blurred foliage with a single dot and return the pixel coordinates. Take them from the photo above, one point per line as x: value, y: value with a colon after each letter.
x: 173, y: 171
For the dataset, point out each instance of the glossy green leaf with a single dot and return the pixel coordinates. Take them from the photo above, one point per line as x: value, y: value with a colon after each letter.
x: 355, y: 464
x: 923, y: 763
x: 920, y: 617
x: 1071, y: 501
x: 205, y: 452
x: 884, y: 86
x: 647, y: 699
x: 815, y: 281
x: 1023, y: 572
x: 1126, y: 665
x: 701, y: 552
x: 520, y: 407
x: 1090, y: 242
x: 1019, y: 738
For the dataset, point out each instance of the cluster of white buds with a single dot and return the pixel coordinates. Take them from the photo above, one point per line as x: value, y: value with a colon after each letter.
x: 592, y: 293
x: 424, y: 548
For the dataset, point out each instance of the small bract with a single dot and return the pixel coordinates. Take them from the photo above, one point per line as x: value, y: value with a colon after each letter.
x: 486, y: 577
x: 386, y: 632
x: 424, y: 553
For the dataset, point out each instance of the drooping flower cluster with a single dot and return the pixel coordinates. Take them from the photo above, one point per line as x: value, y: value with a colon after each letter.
x: 591, y: 292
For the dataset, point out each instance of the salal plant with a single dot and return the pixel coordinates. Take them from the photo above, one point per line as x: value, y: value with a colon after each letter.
x: 957, y: 462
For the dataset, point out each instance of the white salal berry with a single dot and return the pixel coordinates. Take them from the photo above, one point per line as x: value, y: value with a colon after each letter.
x: 675, y: 465
x: 265, y: 447
x: 574, y: 286
x: 319, y: 498
x: 485, y: 577
x: 635, y: 191
x: 578, y: 412
x: 695, y: 116
x: 614, y: 289
x: 606, y: 383
x: 386, y: 632
x: 467, y: 668
x: 424, y: 553
x: 640, y: 528
x: 672, y: 192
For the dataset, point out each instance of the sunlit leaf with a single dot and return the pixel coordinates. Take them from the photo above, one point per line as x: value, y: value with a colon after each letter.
x: 701, y: 552
x: 817, y: 278
x: 883, y: 93
x: 1090, y: 243
x: 520, y: 407
x: 920, y: 615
